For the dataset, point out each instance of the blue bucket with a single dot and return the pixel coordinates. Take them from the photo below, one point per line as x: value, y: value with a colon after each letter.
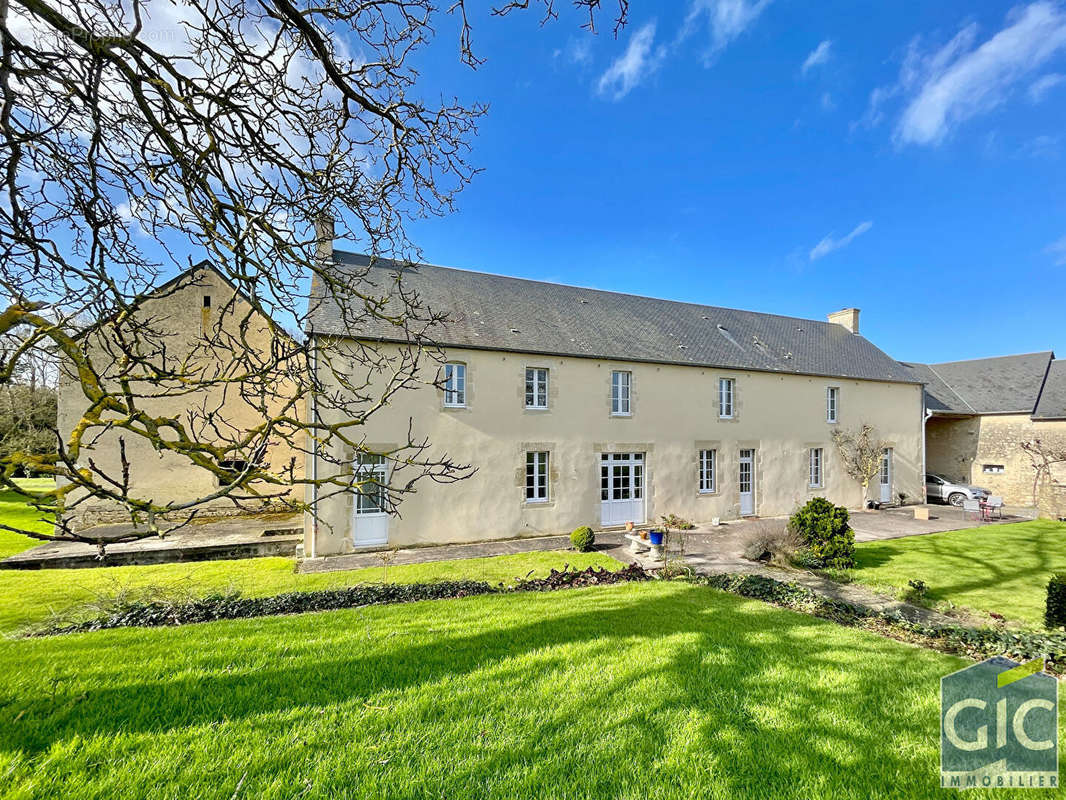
x: 656, y: 537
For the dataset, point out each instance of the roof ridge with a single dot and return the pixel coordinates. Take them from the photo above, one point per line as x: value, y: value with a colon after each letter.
x: 1043, y: 385
x: 600, y: 291
x: 994, y: 358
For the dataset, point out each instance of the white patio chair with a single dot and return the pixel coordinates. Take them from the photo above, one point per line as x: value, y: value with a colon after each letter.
x: 971, y: 507
x: 995, y: 503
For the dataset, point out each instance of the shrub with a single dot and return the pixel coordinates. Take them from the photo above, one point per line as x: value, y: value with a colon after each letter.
x: 582, y: 538
x: 676, y: 523
x: 823, y: 528
x: 158, y: 609
x: 574, y: 578
x: 151, y: 613
x: 1055, y: 610
x: 770, y: 540
x: 915, y: 593
x: 976, y: 643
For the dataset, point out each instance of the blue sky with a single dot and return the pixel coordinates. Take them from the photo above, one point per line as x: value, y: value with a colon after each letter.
x: 906, y: 158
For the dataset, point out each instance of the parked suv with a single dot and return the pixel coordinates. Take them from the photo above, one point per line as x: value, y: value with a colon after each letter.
x: 937, y: 487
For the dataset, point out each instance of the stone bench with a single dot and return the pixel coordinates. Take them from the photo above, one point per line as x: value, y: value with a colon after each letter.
x: 638, y: 546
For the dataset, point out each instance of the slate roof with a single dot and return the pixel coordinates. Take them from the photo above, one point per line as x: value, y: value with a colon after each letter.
x: 939, y: 397
x: 1001, y: 385
x: 1052, y: 403
x: 495, y: 312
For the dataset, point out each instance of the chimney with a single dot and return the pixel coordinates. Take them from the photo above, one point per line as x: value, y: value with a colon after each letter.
x: 848, y: 317
x: 324, y: 235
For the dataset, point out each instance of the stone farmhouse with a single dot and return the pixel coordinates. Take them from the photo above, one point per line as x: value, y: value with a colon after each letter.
x: 581, y: 406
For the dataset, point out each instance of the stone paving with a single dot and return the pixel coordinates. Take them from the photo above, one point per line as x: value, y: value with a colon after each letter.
x: 609, y: 543
x: 228, y: 537
x: 720, y: 550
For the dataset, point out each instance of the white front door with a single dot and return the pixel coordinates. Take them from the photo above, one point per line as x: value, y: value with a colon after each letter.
x: 621, y: 488
x: 370, y: 525
x: 747, y: 483
x: 886, y: 475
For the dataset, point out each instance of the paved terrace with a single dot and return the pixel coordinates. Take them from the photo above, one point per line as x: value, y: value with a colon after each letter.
x: 229, y: 537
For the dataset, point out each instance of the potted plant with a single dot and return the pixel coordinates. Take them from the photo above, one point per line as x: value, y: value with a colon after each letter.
x: 629, y: 527
x: 656, y: 537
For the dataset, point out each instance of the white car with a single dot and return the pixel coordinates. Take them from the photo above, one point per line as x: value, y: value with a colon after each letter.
x: 937, y: 487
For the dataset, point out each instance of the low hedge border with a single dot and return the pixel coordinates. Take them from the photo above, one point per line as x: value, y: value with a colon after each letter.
x: 975, y: 643
x: 156, y: 614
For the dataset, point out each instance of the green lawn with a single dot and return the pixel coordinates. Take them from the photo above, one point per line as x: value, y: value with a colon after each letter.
x: 999, y: 568
x: 28, y: 597
x: 32, y: 595
x: 13, y: 511
x: 636, y: 690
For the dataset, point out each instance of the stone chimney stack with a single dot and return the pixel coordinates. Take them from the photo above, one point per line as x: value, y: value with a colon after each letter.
x: 848, y: 317
x: 324, y: 234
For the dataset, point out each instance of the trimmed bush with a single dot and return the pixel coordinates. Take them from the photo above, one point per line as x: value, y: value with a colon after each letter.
x: 823, y: 528
x: 582, y: 539
x: 1055, y: 610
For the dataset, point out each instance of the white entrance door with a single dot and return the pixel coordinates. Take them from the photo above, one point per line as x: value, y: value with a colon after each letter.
x: 886, y: 475
x: 370, y: 525
x: 747, y: 483
x: 621, y: 488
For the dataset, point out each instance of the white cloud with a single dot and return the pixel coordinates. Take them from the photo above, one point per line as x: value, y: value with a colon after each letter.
x: 829, y: 244
x: 818, y: 55
x: 828, y: 103
x: 578, y: 50
x: 1057, y: 250
x: 1044, y: 84
x: 1040, y: 147
x: 639, y: 61
x: 726, y: 20
x: 962, y: 79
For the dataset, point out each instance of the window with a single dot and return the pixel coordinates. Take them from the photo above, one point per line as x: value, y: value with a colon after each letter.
x: 455, y: 385
x: 536, y: 388
x: 726, y: 391
x: 992, y: 469
x: 370, y: 471
x: 832, y: 403
x: 207, y: 301
x: 707, y: 471
x: 621, y: 384
x: 816, y: 468
x: 536, y: 477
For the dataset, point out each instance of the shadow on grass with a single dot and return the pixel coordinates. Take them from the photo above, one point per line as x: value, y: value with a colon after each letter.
x: 955, y: 563
x: 770, y: 697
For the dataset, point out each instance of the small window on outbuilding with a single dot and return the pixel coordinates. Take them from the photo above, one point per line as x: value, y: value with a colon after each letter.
x: 207, y: 301
x: 993, y: 469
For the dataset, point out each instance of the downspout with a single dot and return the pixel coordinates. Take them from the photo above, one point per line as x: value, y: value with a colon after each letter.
x: 926, y: 414
x: 313, y: 409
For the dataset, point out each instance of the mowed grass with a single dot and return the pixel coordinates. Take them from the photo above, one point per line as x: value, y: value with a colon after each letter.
x: 15, y: 512
x: 31, y: 596
x: 993, y: 568
x: 636, y: 690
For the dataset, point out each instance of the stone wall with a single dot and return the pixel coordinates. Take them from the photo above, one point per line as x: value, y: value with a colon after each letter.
x: 187, y: 318
x: 951, y: 446
x: 973, y: 449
